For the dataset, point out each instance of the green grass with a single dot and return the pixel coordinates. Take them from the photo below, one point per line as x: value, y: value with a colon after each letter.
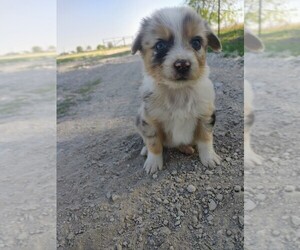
x: 232, y: 40
x: 94, y: 55
x: 81, y: 94
x: 282, y: 40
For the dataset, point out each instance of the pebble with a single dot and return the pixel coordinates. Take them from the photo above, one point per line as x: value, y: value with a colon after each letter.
x: 210, y: 218
x: 166, y: 222
x: 295, y: 220
x: 154, y: 176
x: 261, y: 197
x: 249, y: 205
x: 275, y: 233
x: 174, y: 172
x: 229, y: 233
x: 177, y: 223
x: 237, y: 188
x: 212, y: 205
x: 289, y: 188
x: 191, y: 188
x: 219, y: 197
x: 241, y: 220
x: 115, y: 197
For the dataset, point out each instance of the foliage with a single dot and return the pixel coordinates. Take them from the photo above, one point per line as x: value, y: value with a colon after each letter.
x: 100, y: 47
x: 37, y: 49
x: 79, y: 49
x: 272, y: 12
x: 209, y: 10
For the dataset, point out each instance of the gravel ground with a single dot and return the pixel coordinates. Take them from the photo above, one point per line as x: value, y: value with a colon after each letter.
x: 28, y: 155
x: 272, y: 191
x: 104, y: 198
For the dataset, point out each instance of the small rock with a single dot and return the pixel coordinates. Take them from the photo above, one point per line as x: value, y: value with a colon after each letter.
x: 249, y: 205
x: 241, y: 220
x: 219, y: 197
x: 174, y: 172
x: 295, y: 220
x: 228, y: 159
x: 228, y: 233
x: 275, y: 233
x: 237, y: 188
x: 70, y: 236
x: 115, y: 197
x: 166, y: 222
x: 165, y: 231
x: 212, y: 205
x: 289, y: 188
x: 171, y: 248
x: 108, y: 195
x: 191, y: 188
x: 154, y: 176
x: 261, y: 197
x: 210, y: 218
x: 177, y: 223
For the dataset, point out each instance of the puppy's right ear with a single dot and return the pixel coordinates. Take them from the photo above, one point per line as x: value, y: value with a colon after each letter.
x: 252, y: 42
x: 137, y: 43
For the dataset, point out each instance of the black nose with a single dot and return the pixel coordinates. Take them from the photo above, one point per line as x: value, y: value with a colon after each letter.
x: 182, y: 66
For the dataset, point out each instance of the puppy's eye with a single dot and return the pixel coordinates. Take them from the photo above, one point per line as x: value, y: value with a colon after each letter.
x: 196, y: 43
x: 161, y: 45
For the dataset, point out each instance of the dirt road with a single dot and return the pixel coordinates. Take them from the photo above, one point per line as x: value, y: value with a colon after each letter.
x: 106, y: 201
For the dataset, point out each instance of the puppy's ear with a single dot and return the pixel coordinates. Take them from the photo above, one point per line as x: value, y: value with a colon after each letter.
x: 212, y: 40
x: 137, y: 43
x: 252, y: 42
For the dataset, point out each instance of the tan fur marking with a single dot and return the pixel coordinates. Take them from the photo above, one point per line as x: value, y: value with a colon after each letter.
x: 202, y: 133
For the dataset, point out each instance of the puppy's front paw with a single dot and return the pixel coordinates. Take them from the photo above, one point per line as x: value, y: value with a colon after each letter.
x: 210, y: 159
x: 208, y: 156
x: 153, y: 163
x: 252, y: 158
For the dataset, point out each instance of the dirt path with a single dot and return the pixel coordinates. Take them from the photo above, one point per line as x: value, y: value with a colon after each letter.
x: 272, y: 191
x: 28, y: 155
x: 106, y: 201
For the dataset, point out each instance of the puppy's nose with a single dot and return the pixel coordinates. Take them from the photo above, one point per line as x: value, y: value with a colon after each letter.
x: 182, y: 66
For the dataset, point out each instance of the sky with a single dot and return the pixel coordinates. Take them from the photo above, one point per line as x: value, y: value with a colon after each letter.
x: 69, y: 23
x: 88, y: 22
x: 26, y: 23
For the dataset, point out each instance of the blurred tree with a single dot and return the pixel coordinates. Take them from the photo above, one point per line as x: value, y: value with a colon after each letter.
x: 79, y: 49
x: 36, y: 49
x: 110, y: 45
x: 88, y: 48
x: 259, y: 12
x: 100, y: 47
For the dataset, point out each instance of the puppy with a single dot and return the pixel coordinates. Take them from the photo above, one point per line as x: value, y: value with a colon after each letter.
x: 252, y: 43
x: 178, y: 98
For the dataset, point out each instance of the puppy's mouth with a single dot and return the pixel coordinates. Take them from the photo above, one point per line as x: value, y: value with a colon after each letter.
x: 179, y: 77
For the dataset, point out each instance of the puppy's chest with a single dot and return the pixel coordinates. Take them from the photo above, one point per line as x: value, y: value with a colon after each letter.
x: 179, y: 121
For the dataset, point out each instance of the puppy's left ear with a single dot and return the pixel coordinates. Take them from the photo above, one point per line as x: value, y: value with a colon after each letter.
x: 137, y: 44
x: 212, y: 40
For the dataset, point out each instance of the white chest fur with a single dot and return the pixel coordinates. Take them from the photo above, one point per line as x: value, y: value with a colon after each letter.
x: 178, y: 110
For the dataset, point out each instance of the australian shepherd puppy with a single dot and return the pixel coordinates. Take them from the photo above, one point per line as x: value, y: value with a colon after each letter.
x: 178, y: 98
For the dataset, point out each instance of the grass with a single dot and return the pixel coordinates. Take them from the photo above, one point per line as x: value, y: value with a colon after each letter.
x: 26, y: 57
x: 232, y: 39
x: 282, y: 40
x: 94, y: 55
x: 81, y: 94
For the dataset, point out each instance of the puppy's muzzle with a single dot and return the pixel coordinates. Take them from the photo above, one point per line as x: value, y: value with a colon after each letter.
x: 182, y: 67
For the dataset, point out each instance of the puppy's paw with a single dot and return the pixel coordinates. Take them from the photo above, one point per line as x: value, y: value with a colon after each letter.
x: 144, y: 151
x: 208, y: 156
x: 252, y: 158
x: 188, y: 150
x: 153, y: 163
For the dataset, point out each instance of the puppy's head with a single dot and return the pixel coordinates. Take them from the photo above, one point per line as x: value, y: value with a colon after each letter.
x: 173, y: 44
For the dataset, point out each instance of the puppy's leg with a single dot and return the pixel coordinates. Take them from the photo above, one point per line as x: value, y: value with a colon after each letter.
x: 204, y: 141
x: 153, y: 140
